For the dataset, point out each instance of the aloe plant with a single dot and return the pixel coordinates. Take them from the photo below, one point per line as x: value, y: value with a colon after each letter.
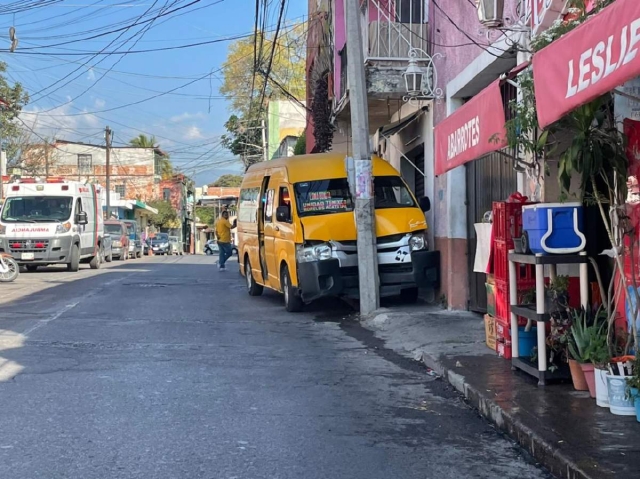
x: 586, y: 340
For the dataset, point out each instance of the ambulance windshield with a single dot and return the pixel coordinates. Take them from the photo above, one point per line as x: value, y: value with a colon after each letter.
x: 38, y: 209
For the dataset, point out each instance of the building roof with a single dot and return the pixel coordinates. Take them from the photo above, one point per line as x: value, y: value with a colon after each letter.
x: 121, y: 147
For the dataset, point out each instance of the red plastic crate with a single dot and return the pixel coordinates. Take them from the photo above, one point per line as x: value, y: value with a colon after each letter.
x: 504, y: 350
x: 507, y: 221
x: 503, y: 305
x: 524, y: 272
x: 503, y: 330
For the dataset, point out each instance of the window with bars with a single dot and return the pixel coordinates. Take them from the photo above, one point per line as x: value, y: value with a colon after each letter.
x: 121, y: 190
x: 85, y: 164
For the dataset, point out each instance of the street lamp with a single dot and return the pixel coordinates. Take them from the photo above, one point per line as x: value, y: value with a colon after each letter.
x: 420, y: 82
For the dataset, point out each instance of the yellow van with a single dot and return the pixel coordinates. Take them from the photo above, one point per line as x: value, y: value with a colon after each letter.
x: 297, y: 234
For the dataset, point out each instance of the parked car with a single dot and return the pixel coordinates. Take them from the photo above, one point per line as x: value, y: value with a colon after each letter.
x: 119, y: 238
x: 175, y: 245
x: 135, y: 243
x: 160, y: 244
x: 107, y: 248
x: 211, y: 247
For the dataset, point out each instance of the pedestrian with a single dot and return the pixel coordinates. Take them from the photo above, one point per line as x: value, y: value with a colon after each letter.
x: 223, y: 233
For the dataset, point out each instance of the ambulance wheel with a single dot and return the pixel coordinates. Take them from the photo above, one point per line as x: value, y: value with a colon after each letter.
x: 74, y: 264
x: 96, y: 260
x: 525, y: 243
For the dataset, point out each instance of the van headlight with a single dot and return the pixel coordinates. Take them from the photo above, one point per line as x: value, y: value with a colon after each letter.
x: 63, y: 228
x: 318, y: 252
x: 418, y: 242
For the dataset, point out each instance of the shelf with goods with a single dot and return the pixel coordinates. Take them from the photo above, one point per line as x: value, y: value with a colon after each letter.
x: 537, y: 313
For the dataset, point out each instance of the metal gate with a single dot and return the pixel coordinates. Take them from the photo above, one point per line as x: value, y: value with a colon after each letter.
x: 491, y: 178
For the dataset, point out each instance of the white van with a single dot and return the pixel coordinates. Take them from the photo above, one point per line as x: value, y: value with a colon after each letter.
x: 53, y: 221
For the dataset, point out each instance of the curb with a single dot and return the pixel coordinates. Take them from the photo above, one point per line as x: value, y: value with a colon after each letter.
x: 543, y: 451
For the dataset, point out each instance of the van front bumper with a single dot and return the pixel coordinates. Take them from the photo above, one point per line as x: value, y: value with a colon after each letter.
x: 326, y: 278
x: 56, y: 250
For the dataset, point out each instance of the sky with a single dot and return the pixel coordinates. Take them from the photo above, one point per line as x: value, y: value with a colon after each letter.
x: 79, y: 84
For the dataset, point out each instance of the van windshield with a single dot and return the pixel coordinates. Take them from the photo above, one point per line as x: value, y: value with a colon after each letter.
x: 36, y: 209
x: 323, y: 197
x: 391, y: 192
x: 332, y: 196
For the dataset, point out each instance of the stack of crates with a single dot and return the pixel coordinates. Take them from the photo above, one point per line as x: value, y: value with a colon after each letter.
x: 507, y: 225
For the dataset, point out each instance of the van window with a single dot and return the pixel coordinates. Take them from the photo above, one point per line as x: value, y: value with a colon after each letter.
x: 323, y: 197
x: 391, y: 192
x: 248, y: 205
x: 268, y: 206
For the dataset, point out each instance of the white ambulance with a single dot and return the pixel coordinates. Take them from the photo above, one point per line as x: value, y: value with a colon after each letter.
x: 52, y: 221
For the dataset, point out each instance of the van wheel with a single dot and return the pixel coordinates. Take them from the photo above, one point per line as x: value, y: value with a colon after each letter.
x: 409, y: 295
x: 292, y: 300
x: 254, y: 288
x: 74, y: 263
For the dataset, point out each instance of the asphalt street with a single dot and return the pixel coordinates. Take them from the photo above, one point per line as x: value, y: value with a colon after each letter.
x: 164, y: 367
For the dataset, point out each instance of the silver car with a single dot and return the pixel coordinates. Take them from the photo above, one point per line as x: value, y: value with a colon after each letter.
x: 175, y: 245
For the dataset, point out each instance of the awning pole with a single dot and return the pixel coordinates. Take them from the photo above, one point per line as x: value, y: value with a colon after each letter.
x: 388, y: 138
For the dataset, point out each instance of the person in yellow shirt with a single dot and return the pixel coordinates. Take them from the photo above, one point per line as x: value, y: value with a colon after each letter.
x: 223, y: 234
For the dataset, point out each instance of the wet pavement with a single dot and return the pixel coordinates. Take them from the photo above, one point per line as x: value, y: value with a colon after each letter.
x: 165, y: 368
x: 564, y: 429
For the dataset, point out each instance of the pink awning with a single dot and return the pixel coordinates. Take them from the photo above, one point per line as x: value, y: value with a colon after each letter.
x: 588, y: 62
x: 468, y: 133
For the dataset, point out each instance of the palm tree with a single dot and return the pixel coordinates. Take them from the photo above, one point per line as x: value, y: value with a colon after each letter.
x: 144, y: 141
x: 163, y: 164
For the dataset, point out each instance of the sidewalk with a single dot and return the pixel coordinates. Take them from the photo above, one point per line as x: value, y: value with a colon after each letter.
x: 562, y: 428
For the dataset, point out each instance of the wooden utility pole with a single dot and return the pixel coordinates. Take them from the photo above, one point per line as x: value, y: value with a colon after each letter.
x: 364, y: 200
x: 107, y: 137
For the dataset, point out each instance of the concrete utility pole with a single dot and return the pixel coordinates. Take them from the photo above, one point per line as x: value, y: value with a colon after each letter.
x: 365, y: 213
x: 107, y: 137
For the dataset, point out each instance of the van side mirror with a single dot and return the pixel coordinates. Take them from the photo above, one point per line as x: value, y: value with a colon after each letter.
x: 425, y: 204
x: 283, y: 214
x: 82, y: 218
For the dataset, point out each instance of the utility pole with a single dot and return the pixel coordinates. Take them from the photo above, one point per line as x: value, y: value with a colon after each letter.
x: 265, y: 153
x: 364, y: 201
x: 107, y: 137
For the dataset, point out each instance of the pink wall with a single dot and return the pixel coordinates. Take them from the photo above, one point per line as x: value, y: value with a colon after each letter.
x: 340, y: 39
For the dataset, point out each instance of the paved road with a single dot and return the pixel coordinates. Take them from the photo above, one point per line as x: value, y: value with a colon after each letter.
x: 164, y: 368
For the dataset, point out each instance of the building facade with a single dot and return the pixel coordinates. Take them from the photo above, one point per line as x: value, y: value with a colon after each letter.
x: 134, y: 172
x: 286, y: 121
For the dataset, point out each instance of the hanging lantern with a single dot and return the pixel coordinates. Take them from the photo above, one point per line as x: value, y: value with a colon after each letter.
x: 490, y: 12
x: 413, y: 77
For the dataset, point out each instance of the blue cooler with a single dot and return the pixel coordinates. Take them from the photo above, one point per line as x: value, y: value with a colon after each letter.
x: 554, y: 228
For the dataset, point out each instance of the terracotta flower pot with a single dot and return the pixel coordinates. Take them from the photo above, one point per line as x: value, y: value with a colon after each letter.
x: 577, y: 376
x: 590, y: 377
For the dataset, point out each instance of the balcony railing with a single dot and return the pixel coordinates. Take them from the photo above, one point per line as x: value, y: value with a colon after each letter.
x: 392, y: 28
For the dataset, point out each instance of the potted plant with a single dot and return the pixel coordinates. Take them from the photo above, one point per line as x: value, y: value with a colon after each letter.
x: 585, y: 339
x: 600, y: 358
x: 577, y: 345
x: 557, y: 297
x: 633, y: 386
